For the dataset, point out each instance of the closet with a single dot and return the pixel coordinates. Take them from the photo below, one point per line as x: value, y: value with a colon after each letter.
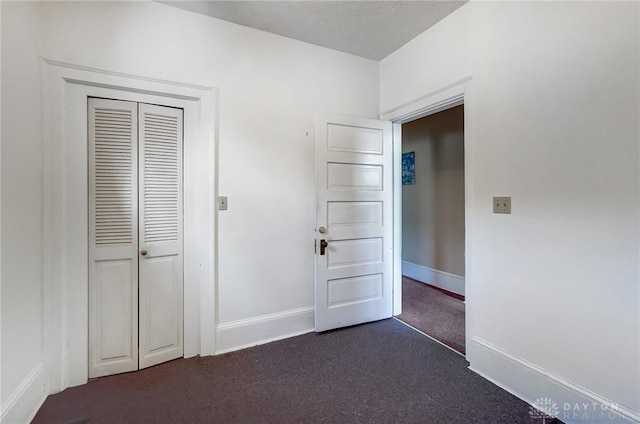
x: 135, y: 235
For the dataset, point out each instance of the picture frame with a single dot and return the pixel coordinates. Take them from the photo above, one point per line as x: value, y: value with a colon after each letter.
x: 409, y: 168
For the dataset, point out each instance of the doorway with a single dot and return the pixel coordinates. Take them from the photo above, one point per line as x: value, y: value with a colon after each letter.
x: 135, y: 235
x: 433, y: 226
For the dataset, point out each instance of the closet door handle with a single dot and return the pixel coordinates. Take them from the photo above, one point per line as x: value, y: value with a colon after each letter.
x: 143, y: 252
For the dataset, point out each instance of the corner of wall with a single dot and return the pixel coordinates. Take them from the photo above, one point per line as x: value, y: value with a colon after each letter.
x: 23, y: 404
x: 245, y: 333
x: 551, y: 393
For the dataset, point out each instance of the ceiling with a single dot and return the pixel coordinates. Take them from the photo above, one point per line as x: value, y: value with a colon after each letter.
x: 371, y: 29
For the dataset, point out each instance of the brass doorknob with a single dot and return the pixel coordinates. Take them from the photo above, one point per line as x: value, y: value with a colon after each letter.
x: 322, y: 230
x: 143, y: 252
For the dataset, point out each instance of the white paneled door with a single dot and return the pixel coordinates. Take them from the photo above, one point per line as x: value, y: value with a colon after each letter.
x: 354, y: 257
x: 135, y: 236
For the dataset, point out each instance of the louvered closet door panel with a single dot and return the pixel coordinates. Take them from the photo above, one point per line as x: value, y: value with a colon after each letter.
x: 113, y: 237
x: 161, y: 281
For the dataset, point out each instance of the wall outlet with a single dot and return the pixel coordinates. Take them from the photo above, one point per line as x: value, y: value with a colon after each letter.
x: 222, y: 203
x: 502, y: 204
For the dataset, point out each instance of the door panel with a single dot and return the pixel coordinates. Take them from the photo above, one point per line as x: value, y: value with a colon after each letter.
x: 352, y: 253
x: 348, y: 138
x: 354, y: 205
x: 161, y: 306
x: 348, y: 291
x: 113, y: 282
x: 160, y: 221
x: 354, y: 215
x: 354, y: 177
x: 113, y: 237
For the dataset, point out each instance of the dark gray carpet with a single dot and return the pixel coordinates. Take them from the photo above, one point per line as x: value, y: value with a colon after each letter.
x: 434, y: 313
x: 382, y: 372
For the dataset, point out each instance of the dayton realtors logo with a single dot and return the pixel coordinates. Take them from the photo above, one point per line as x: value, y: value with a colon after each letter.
x: 544, y: 410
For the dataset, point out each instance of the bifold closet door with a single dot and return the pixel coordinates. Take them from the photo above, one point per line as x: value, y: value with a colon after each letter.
x: 160, y: 223
x: 113, y: 237
x: 135, y: 236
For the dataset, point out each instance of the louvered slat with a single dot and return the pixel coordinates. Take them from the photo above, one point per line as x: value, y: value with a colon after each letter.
x: 161, y: 178
x: 113, y: 154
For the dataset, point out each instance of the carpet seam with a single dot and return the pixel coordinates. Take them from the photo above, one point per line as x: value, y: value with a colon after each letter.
x: 426, y: 335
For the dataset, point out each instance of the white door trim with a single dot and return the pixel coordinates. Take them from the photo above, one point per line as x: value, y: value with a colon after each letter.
x: 65, y: 217
x: 446, y: 98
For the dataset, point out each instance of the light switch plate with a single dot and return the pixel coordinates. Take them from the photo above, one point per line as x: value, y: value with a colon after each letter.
x: 502, y: 204
x: 222, y: 203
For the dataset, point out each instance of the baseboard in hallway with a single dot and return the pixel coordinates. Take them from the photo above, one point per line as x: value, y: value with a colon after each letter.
x: 441, y: 290
x: 444, y: 280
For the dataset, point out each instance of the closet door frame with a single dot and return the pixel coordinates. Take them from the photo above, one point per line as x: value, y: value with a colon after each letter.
x: 66, y: 88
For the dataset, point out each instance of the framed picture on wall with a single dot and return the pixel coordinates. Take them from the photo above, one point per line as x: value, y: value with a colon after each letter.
x: 408, y: 168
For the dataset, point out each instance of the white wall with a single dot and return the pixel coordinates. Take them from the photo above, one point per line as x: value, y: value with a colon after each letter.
x: 552, y: 119
x: 270, y: 88
x: 21, y: 199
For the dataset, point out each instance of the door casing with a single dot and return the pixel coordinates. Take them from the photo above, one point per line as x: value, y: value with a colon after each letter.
x: 454, y: 95
x: 65, y: 257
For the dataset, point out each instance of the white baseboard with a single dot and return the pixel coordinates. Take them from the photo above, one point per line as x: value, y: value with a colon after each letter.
x: 23, y: 404
x: 245, y: 333
x: 535, y: 385
x: 444, y: 280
